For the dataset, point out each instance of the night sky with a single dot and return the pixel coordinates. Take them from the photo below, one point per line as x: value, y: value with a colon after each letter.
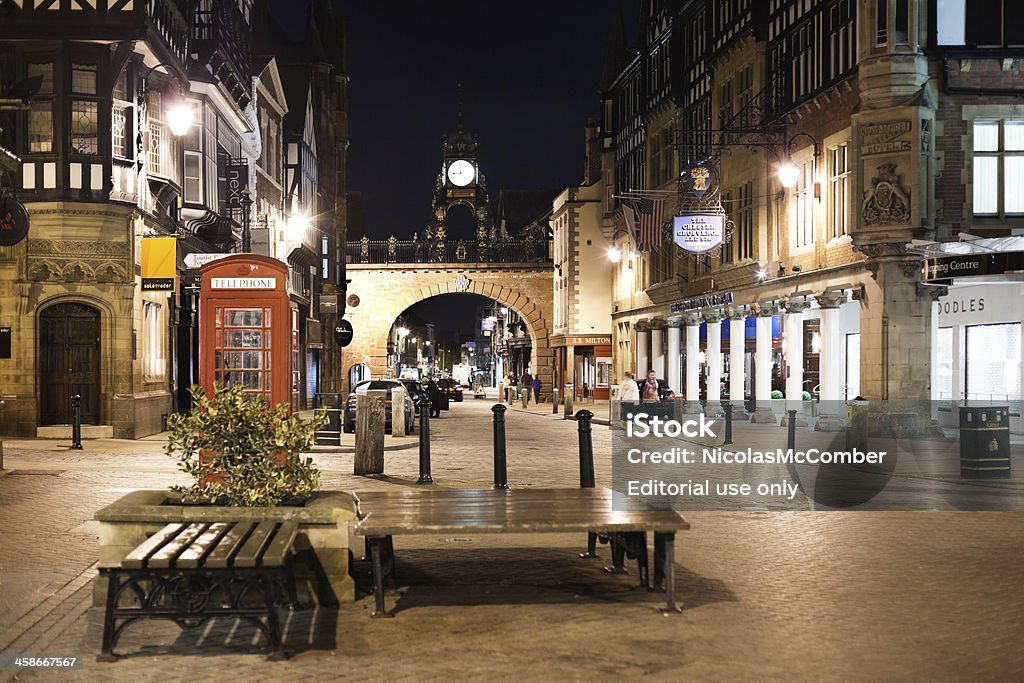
x: 529, y: 70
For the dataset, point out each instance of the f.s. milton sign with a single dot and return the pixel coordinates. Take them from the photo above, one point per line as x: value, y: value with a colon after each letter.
x: 942, y: 270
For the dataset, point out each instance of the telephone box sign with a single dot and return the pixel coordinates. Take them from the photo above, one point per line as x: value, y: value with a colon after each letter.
x: 698, y: 233
x: 243, y: 283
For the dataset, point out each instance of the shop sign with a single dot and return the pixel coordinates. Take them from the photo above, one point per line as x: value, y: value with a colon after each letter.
x: 237, y: 176
x: 13, y: 222
x: 885, y: 138
x: 588, y: 339
x: 159, y: 263
x: 942, y: 270
x: 698, y: 233
x: 5, y: 342
x: 198, y: 260
x: 343, y: 333
x: 702, y: 301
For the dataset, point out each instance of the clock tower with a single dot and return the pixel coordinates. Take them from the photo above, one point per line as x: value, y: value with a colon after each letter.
x: 460, y: 184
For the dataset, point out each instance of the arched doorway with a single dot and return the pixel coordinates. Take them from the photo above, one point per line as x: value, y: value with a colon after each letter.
x: 69, y: 362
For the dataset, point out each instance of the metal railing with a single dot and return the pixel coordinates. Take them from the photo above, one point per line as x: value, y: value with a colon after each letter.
x: 393, y: 250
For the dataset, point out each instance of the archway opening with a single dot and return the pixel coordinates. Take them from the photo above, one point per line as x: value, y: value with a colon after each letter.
x: 475, y: 340
x: 69, y: 363
x: 460, y: 222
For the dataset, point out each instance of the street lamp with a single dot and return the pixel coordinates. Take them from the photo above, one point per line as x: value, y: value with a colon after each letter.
x: 180, y: 115
x: 614, y: 254
x: 789, y: 174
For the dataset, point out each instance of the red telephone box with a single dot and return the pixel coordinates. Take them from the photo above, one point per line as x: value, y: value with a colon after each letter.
x: 248, y: 328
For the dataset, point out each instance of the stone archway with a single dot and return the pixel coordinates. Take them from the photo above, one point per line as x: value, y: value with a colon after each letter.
x: 384, y: 292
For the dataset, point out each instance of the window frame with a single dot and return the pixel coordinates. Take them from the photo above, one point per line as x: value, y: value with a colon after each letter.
x: 1000, y: 154
x: 839, y: 223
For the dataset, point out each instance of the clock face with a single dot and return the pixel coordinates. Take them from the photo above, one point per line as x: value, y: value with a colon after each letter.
x: 461, y: 173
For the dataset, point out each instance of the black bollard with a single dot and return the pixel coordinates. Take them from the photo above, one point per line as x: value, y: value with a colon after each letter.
x: 587, y: 479
x: 500, y: 458
x: 728, y: 422
x: 425, y: 478
x: 791, y: 431
x: 76, y: 424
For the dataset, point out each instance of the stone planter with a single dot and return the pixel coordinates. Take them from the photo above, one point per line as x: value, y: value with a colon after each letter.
x: 323, y: 528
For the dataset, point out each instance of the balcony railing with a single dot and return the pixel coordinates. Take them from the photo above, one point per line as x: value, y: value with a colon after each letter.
x: 393, y: 250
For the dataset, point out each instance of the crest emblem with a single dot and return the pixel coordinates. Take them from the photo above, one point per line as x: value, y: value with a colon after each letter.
x: 886, y: 202
x: 461, y: 283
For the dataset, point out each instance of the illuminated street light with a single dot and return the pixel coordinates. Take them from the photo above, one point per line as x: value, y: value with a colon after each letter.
x: 762, y: 274
x: 180, y: 118
x: 788, y: 174
x: 614, y: 254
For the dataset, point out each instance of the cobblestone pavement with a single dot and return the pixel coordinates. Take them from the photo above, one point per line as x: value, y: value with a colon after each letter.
x: 767, y: 595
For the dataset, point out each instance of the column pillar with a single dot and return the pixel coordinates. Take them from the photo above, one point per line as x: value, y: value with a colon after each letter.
x: 763, y: 364
x: 658, y: 347
x: 692, y: 321
x: 713, y: 355
x: 794, y: 350
x: 737, y: 358
x: 830, y: 369
x: 674, y: 376
x: 643, y: 346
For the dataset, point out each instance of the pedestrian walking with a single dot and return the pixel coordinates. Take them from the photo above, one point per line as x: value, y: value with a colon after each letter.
x: 526, y: 384
x: 536, y: 389
x: 629, y: 391
x: 434, y: 394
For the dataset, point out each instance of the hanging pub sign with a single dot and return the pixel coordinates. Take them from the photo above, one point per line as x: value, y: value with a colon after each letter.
x: 343, y: 333
x: 700, y: 178
x: 13, y: 222
x: 159, y: 263
x: 998, y: 265
x: 698, y: 233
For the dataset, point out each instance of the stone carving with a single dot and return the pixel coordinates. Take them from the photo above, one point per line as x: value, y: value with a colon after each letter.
x: 830, y: 299
x: 911, y: 269
x: 795, y: 305
x: 693, y: 319
x: 736, y: 313
x: 77, y: 248
x: 886, y: 201
x: 763, y: 309
x: 714, y: 316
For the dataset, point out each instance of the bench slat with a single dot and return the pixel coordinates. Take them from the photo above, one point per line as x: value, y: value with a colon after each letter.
x: 201, y: 547
x: 229, y: 545
x: 278, y: 548
x: 166, y: 556
x: 136, y: 559
x: 250, y: 553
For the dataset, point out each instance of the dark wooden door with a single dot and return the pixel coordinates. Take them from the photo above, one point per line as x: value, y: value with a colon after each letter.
x: 69, y: 362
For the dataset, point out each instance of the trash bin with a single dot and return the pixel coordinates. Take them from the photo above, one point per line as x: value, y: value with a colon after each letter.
x: 330, y: 433
x: 857, y: 424
x: 984, y: 442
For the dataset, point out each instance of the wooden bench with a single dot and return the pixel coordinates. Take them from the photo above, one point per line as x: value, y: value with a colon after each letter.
x: 437, y: 511
x: 190, y: 573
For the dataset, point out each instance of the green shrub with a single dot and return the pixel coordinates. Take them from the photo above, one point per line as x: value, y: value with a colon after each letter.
x: 242, y: 453
x: 776, y: 394
x: 806, y: 396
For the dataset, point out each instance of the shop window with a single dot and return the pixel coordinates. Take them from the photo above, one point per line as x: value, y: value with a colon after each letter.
x: 944, y: 364
x: 838, y: 190
x: 993, y: 362
x: 153, y: 342
x: 84, y: 127
x: 852, y: 365
x: 998, y: 168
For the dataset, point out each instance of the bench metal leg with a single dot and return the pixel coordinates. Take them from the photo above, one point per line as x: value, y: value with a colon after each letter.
x: 668, y: 558
x: 277, y: 652
x: 109, y: 638
x: 378, y: 575
x: 643, y: 565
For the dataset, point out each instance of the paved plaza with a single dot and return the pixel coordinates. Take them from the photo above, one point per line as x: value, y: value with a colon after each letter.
x: 767, y: 595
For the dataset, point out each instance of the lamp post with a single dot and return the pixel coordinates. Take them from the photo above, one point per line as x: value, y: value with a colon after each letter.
x: 179, y: 116
x: 246, y: 202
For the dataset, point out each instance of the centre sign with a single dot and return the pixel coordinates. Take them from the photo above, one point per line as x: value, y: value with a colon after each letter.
x: 698, y: 233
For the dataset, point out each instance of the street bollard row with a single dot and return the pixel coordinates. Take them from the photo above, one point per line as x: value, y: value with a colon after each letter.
x: 587, y: 478
x: 425, y: 478
x: 76, y: 425
x: 500, y: 457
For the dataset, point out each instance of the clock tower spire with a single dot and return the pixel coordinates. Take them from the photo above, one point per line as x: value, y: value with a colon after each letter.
x: 460, y: 185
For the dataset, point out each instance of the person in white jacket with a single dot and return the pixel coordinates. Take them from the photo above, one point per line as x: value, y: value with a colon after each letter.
x: 628, y: 389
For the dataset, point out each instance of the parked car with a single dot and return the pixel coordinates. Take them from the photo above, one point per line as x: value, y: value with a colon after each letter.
x: 415, y: 390
x: 349, y: 422
x: 453, y: 388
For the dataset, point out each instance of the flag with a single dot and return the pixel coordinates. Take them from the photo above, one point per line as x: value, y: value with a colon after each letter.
x: 650, y: 212
x: 629, y: 217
